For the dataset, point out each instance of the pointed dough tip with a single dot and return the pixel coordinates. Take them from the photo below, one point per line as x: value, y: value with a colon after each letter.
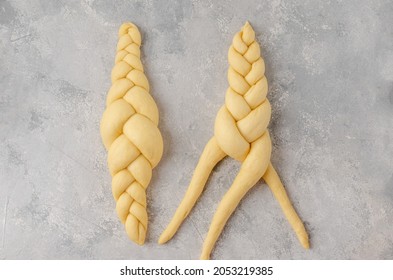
x: 163, y: 239
x: 247, y: 25
x: 305, y: 243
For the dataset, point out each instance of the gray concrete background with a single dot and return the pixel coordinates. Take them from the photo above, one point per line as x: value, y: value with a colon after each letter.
x: 330, y: 68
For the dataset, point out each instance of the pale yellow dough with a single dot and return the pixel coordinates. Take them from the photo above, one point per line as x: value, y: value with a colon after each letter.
x: 130, y: 134
x: 240, y: 132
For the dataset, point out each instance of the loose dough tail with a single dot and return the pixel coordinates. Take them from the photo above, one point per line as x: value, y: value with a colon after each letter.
x: 211, y: 155
x: 273, y: 181
x: 252, y: 169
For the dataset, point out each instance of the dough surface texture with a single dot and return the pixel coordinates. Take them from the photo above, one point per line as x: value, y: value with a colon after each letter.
x: 130, y: 134
x: 240, y: 131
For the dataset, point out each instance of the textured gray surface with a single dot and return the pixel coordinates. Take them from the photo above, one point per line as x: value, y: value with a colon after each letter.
x: 330, y: 68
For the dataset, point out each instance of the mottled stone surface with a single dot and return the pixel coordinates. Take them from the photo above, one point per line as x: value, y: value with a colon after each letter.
x: 330, y: 68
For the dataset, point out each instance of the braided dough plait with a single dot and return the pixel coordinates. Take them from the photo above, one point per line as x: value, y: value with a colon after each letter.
x: 240, y: 131
x: 130, y: 134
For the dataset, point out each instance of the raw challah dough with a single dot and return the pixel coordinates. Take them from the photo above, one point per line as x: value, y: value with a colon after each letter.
x: 130, y: 134
x: 240, y: 131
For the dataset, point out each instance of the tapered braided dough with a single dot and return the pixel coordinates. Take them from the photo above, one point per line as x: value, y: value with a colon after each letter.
x: 130, y: 134
x: 240, y: 131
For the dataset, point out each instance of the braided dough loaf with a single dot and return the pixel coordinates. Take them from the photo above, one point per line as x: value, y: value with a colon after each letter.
x: 130, y: 134
x: 240, y: 131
